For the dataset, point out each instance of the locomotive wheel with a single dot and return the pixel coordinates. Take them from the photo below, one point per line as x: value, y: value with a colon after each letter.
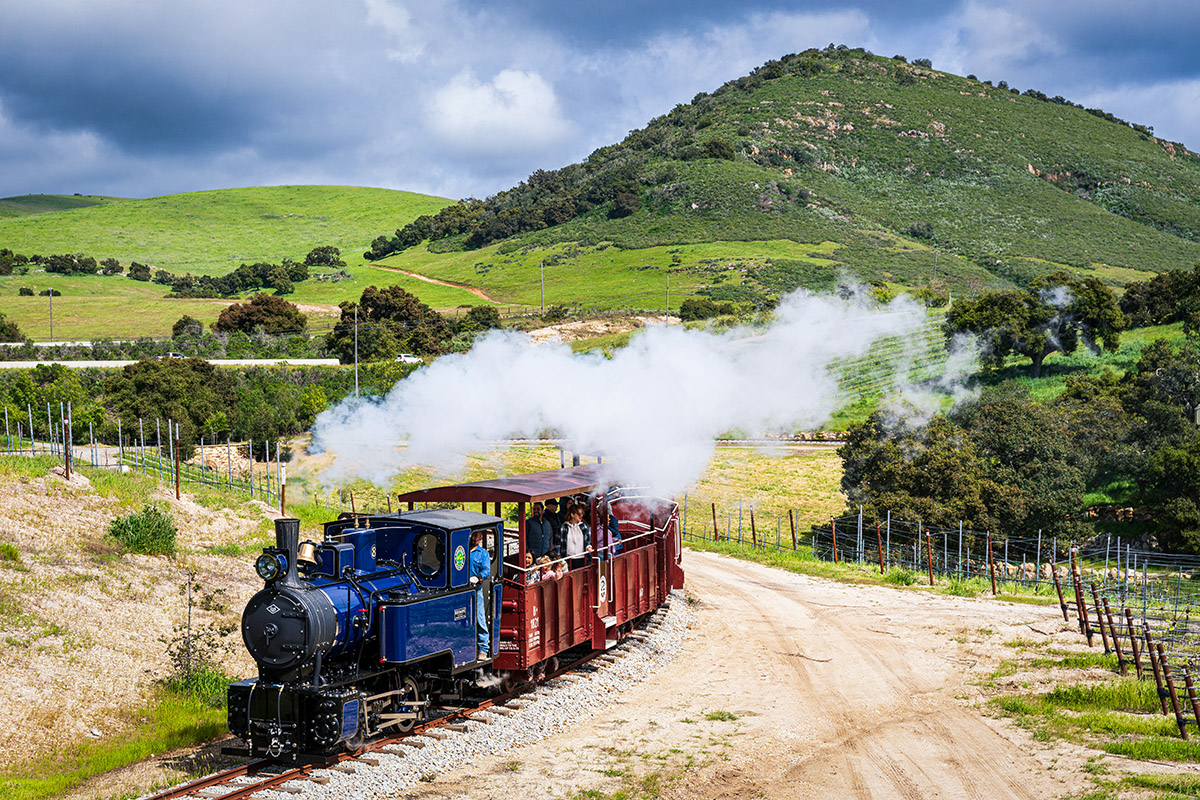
x: 410, y: 692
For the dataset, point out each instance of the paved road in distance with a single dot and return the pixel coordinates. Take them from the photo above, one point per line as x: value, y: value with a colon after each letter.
x: 220, y: 362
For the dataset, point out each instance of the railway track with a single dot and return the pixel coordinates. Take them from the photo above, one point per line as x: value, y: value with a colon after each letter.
x: 259, y: 775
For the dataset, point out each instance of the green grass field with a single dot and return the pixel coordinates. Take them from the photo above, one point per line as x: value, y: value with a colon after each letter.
x: 25, y: 204
x: 206, y: 233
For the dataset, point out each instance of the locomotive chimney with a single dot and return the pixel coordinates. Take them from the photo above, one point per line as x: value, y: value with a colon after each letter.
x: 287, y: 539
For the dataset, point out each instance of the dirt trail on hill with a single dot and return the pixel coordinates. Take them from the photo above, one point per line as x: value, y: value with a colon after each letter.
x: 838, y: 691
x: 477, y: 292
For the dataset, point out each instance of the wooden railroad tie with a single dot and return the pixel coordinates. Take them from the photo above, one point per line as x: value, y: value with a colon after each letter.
x: 370, y: 761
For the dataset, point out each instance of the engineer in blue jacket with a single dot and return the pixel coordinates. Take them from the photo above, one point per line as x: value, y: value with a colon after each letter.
x: 481, y: 570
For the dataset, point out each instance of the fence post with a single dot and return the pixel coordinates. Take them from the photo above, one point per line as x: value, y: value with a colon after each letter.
x: 792, y: 522
x: 1085, y: 625
x: 889, y: 539
x: 879, y: 544
x: 7, y: 434
x: 716, y: 530
x: 1179, y: 720
x: 1133, y: 641
x: 1158, y: 679
x: 250, y: 450
x: 1037, y: 571
x: 929, y: 551
x: 32, y: 437
x: 991, y: 563
x: 176, y: 426
x: 833, y: 532
x: 1191, y: 689
x: 1100, y: 619
x: 753, y: 530
x: 229, y: 463
x: 142, y: 450
x: 120, y: 446
x: 1116, y: 638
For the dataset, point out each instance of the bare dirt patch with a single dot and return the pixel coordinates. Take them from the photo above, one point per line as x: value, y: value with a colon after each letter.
x: 577, y: 330
x: 794, y: 686
x: 81, y: 628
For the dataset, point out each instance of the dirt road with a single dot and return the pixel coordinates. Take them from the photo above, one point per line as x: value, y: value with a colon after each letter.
x: 799, y: 687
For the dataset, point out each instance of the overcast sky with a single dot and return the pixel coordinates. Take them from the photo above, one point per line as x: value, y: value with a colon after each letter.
x: 465, y: 97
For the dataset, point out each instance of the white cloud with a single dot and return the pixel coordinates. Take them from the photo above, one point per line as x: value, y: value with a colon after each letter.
x: 514, y: 112
x: 991, y: 40
x: 1172, y: 108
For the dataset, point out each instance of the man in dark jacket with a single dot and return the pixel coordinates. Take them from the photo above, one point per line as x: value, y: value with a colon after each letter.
x: 551, y: 515
x: 538, y: 533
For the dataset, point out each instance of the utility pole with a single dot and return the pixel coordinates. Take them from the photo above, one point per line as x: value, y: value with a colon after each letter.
x: 356, y: 350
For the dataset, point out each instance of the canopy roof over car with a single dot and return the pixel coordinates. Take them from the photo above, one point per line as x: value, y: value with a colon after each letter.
x: 515, y: 489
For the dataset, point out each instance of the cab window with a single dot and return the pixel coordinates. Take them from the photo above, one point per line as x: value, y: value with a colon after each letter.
x: 428, y: 555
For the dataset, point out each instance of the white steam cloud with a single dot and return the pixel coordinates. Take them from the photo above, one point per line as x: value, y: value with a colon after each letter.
x: 653, y: 409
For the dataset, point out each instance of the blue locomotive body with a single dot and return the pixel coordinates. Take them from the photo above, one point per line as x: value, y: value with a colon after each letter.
x: 352, y: 634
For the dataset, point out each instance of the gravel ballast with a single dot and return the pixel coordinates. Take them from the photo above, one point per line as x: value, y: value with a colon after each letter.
x: 552, y: 707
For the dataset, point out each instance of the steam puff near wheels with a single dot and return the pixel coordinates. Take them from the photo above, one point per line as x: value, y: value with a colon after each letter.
x: 654, y: 408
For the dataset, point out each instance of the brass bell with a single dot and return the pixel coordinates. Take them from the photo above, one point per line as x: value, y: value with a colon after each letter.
x: 306, y: 555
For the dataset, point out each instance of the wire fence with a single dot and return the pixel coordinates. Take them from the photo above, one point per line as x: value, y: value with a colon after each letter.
x: 152, y: 448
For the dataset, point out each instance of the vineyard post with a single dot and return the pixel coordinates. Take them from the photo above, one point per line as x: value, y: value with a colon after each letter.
x: 792, y: 522
x: 879, y: 544
x: 1133, y: 641
x: 928, y: 551
x: 753, y: 530
x: 889, y: 539
x: 1100, y: 619
x: 1191, y: 689
x: 991, y: 563
x: 1179, y: 720
x: 1037, y: 573
x: 1116, y: 638
x: 716, y: 530
x: 960, y: 562
x: 177, y: 465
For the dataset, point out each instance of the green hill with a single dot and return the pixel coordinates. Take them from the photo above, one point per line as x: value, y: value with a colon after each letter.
x: 26, y: 204
x: 827, y: 162
x: 203, y: 233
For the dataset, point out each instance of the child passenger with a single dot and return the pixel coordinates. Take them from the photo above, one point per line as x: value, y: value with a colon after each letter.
x: 545, y: 572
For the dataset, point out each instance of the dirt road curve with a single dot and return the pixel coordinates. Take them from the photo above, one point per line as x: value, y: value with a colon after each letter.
x: 839, y: 692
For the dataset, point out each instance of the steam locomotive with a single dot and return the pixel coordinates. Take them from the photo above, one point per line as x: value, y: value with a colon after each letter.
x: 358, y: 635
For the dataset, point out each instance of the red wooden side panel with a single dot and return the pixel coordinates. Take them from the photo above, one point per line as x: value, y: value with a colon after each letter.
x: 635, y: 583
x: 544, y: 619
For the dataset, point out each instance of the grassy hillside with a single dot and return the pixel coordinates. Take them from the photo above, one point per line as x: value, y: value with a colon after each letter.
x: 206, y: 233
x: 878, y: 162
x: 26, y: 204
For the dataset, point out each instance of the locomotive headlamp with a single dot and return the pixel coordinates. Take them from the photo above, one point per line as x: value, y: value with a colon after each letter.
x: 268, y: 566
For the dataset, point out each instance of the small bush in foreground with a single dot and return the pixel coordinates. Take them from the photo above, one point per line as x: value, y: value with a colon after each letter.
x: 901, y: 577
x: 150, y: 531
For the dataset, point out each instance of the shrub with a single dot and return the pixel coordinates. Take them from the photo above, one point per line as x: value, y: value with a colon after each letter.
x: 25, y: 291
x: 901, y: 577
x: 150, y: 531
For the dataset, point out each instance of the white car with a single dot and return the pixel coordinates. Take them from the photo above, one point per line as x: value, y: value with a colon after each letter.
x: 409, y: 358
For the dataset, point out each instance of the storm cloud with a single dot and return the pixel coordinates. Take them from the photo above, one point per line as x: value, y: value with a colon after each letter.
x: 463, y: 97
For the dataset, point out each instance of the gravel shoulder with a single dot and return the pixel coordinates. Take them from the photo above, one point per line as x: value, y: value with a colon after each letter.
x: 792, y: 686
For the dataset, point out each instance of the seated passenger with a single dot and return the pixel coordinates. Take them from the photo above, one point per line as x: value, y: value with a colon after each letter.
x: 614, y: 530
x: 531, y: 574
x: 560, y: 569
x: 545, y: 572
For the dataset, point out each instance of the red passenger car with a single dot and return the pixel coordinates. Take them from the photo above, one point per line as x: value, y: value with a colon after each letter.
x: 594, y: 604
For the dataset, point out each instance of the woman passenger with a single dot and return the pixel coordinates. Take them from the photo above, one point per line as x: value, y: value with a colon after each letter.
x: 576, y: 533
